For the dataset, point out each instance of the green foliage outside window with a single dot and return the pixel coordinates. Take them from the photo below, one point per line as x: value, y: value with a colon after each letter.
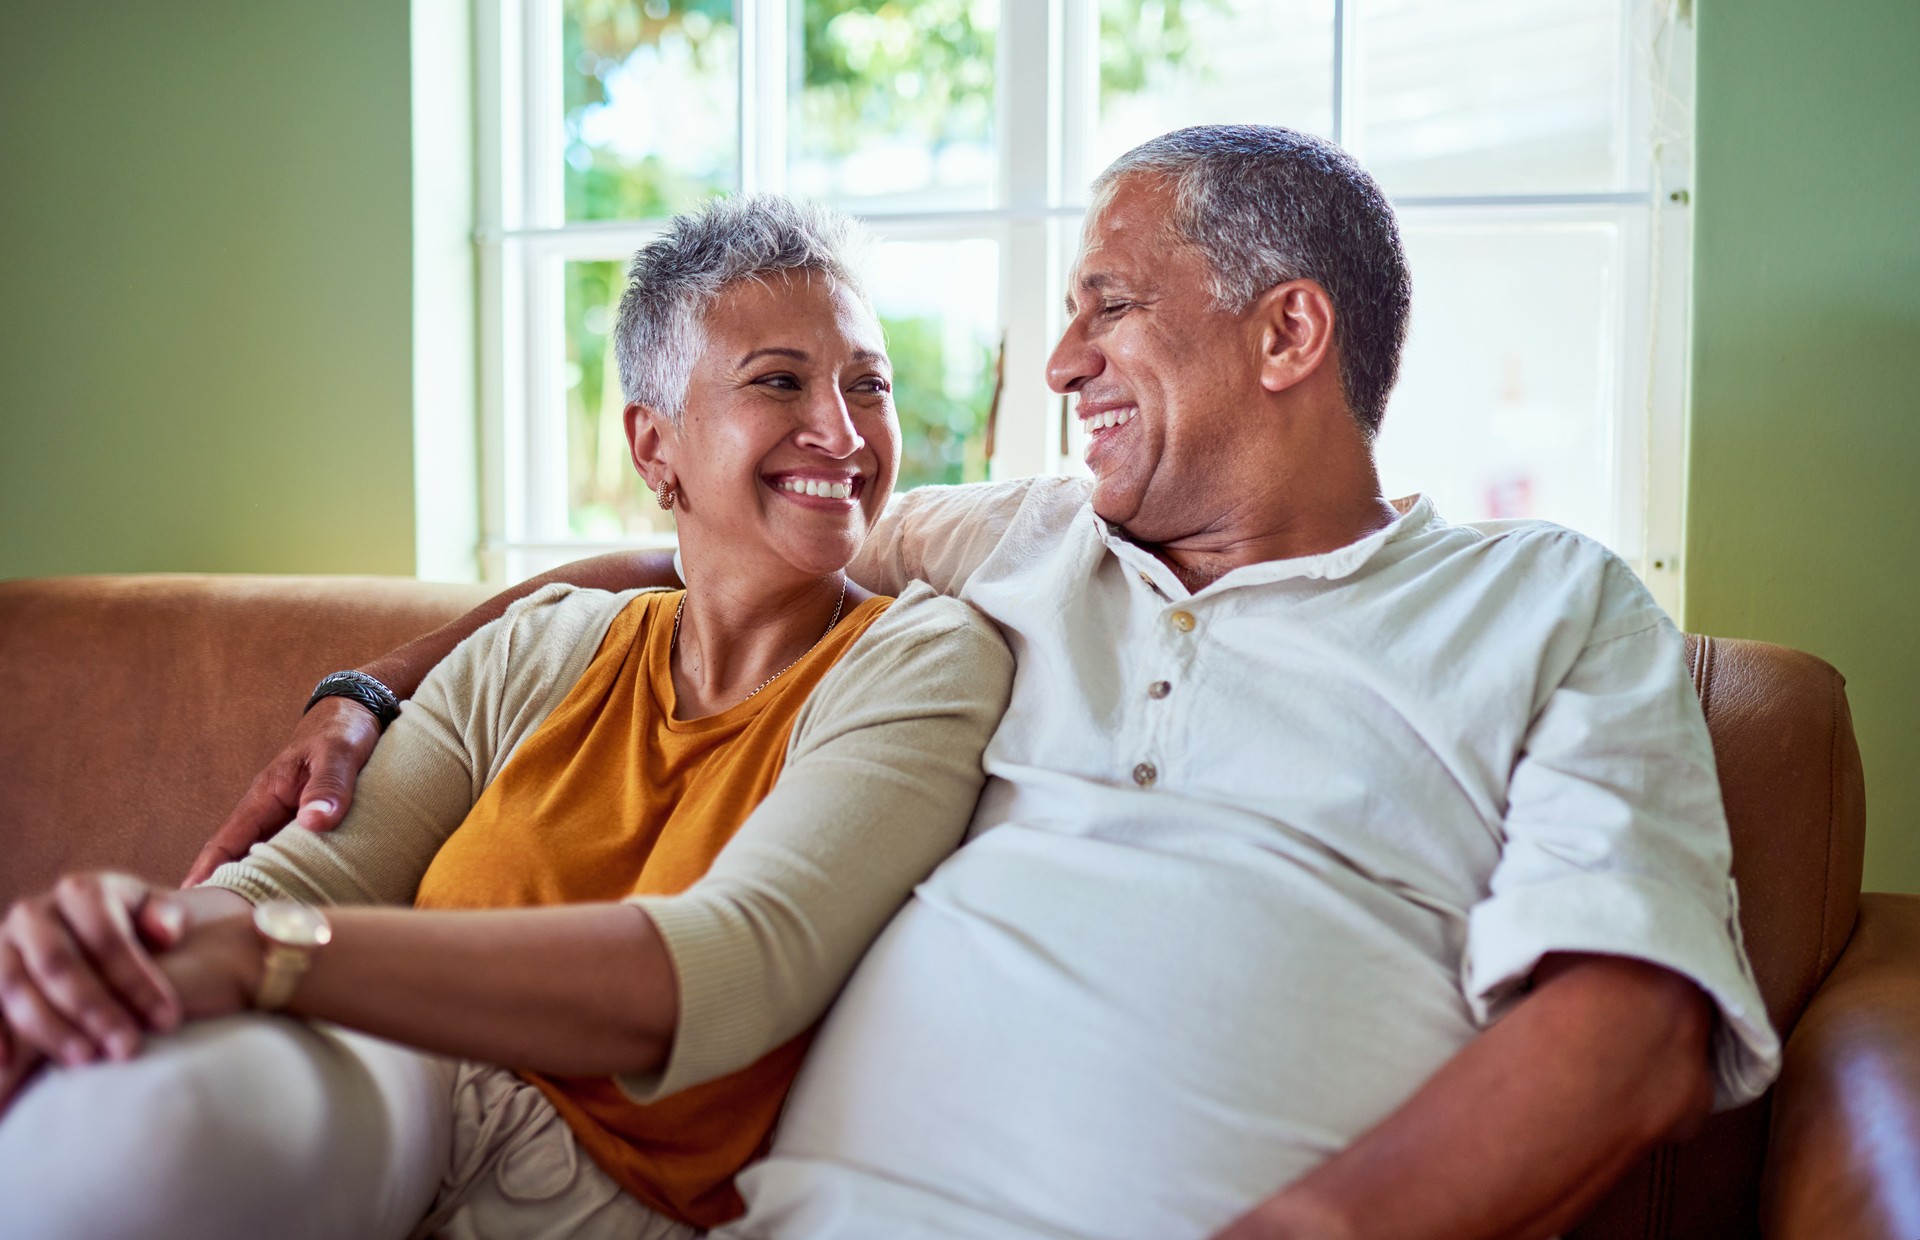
x: 922, y: 69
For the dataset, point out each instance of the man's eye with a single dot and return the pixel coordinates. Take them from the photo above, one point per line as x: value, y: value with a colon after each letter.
x: 1115, y: 307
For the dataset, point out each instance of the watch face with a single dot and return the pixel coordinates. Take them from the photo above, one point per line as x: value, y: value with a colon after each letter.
x: 296, y: 925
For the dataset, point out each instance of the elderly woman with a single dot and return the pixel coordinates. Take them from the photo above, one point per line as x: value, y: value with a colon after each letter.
x: 644, y: 836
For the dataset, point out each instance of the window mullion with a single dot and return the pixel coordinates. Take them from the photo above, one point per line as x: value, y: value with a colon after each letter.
x: 1347, y: 131
x: 1029, y: 133
x: 767, y: 58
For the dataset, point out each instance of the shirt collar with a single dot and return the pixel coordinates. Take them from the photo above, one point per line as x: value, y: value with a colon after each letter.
x: 1416, y: 514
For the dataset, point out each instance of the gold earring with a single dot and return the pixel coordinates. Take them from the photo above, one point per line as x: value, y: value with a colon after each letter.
x: 665, y: 496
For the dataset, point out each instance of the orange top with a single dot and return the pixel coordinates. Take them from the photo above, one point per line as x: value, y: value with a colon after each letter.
x: 613, y: 797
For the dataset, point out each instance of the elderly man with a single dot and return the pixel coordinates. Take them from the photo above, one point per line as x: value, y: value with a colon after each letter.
x: 1340, y: 872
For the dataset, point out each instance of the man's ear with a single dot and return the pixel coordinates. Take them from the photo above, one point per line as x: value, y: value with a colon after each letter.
x: 1295, y: 324
x: 645, y: 443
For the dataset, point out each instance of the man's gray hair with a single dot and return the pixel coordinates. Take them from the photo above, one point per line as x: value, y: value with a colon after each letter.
x: 674, y: 279
x: 1267, y: 205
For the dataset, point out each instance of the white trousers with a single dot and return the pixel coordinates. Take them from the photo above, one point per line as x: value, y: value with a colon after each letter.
x: 264, y: 1126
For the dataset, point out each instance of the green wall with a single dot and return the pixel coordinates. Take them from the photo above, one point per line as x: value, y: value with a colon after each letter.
x: 205, y: 287
x: 1802, y: 526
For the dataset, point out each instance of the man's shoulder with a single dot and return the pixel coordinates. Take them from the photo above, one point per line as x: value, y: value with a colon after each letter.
x: 1539, y: 563
x: 1040, y: 496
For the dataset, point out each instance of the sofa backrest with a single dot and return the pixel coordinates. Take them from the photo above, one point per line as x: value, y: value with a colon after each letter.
x: 134, y: 711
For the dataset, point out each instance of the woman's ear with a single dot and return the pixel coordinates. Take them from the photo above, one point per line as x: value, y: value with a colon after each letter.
x: 647, y: 444
x: 1295, y: 323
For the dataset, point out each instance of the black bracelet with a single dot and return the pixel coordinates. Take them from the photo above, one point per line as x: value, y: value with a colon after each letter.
x: 361, y: 688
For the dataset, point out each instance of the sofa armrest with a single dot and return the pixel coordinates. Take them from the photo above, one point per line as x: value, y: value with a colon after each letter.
x: 1843, y: 1160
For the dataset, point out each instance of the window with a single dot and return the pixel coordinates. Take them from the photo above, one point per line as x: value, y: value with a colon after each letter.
x: 1533, y: 149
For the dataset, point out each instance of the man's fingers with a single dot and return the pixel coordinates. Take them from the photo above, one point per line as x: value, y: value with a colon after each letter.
x: 36, y: 1024
x: 100, y: 914
x: 267, y: 806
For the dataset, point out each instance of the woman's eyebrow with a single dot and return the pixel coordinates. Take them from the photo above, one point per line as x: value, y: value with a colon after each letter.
x: 798, y: 355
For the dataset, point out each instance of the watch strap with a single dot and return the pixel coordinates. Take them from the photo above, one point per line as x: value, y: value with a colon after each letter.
x: 280, y: 975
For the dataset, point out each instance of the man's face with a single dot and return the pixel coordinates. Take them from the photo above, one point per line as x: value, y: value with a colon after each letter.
x: 1164, y: 381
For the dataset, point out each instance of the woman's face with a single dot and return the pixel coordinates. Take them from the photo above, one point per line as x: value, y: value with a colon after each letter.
x: 786, y: 452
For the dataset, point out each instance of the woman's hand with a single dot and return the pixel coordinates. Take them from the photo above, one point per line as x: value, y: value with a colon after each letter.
x: 216, y: 967
x: 78, y: 980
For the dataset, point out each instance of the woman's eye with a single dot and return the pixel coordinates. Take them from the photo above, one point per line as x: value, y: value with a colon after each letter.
x: 783, y: 381
x: 873, y: 383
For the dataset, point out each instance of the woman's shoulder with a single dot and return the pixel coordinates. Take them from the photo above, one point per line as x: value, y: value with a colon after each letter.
x: 921, y: 613
x: 552, y: 623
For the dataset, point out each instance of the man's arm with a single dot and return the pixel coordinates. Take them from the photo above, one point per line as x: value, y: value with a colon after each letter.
x: 1522, y: 1131
x: 311, y: 781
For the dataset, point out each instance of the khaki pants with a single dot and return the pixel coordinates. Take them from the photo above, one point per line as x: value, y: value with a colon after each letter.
x: 263, y: 1126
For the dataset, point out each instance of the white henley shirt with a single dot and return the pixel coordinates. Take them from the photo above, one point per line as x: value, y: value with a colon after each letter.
x: 1250, y: 865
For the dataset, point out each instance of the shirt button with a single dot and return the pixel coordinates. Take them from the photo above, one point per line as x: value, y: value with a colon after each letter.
x: 1182, y: 620
x: 1144, y: 774
x: 1159, y: 689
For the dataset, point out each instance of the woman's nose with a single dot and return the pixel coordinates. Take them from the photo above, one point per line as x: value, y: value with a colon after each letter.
x: 829, y: 428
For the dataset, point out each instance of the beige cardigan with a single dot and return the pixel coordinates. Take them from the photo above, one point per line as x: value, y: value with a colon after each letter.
x: 880, y: 779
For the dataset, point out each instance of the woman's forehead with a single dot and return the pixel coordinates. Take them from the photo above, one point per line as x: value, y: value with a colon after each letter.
x: 795, y: 309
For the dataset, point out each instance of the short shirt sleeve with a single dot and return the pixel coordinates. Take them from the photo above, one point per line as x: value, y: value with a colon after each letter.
x: 1616, y: 840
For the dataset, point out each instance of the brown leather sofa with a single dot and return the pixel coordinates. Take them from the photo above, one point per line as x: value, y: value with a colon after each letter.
x: 134, y: 711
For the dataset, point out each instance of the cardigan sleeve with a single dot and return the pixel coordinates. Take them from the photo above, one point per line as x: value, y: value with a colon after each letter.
x: 880, y: 782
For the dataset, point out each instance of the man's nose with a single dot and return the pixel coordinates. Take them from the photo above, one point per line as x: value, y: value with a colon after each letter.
x: 829, y: 425
x: 1074, y: 359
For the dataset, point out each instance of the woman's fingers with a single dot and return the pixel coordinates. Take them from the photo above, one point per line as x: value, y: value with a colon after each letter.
x: 36, y: 1024
x: 100, y: 912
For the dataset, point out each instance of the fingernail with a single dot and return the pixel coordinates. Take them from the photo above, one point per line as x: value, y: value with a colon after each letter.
x: 122, y: 1045
x: 315, y: 809
x: 75, y: 1054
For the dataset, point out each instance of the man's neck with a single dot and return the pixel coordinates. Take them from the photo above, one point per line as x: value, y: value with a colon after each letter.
x: 1201, y: 559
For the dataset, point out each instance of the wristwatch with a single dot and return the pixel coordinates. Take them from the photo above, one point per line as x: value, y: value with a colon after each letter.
x: 292, y: 933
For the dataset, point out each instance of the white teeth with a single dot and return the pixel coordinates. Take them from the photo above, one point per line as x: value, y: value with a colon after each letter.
x: 1112, y: 417
x: 825, y: 490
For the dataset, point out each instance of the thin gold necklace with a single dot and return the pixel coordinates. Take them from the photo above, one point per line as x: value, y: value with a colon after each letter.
x: 673, y: 640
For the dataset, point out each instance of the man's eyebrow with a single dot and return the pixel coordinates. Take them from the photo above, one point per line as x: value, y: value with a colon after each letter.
x: 1093, y: 282
x: 798, y: 355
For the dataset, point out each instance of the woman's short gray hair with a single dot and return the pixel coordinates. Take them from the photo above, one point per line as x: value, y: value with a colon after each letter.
x: 1267, y: 205
x: 674, y: 279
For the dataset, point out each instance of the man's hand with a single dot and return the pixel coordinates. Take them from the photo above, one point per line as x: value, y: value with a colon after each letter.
x: 77, y: 975
x: 311, y: 782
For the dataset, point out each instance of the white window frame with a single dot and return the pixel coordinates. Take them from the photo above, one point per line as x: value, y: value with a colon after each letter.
x: 1047, y: 66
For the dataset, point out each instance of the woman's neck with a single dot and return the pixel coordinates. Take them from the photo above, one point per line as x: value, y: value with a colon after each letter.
x: 735, y: 636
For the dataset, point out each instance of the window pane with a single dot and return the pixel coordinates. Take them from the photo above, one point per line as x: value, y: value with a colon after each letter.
x: 651, y: 103
x: 939, y: 302
x: 1165, y: 64
x: 606, y: 501
x: 1506, y: 395
x: 1490, y: 96
x: 896, y: 102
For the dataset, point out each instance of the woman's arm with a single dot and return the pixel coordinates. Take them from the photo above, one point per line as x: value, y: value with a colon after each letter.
x: 880, y: 782
x: 312, y: 780
x: 581, y: 990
